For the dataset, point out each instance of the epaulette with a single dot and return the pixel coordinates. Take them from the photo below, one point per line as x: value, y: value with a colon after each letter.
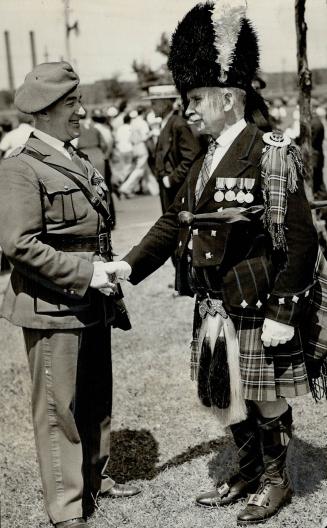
x: 16, y: 151
x: 276, y: 139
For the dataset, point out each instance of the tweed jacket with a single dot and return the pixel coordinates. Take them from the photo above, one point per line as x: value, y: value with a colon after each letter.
x: 235, y: 261
x: 47, y: 288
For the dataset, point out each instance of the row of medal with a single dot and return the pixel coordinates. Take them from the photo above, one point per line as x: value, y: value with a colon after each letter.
x: 234, y: 189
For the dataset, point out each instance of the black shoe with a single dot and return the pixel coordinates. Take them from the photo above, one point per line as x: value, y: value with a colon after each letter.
x: 72, y: 523
x: 271, y: 495
x: 229, y: 492
x: 121, y: 490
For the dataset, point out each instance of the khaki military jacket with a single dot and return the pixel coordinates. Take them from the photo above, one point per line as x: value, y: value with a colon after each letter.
x: 48, y: 288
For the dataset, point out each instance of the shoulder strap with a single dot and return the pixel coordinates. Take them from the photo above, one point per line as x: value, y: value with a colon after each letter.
x: 93, y: 200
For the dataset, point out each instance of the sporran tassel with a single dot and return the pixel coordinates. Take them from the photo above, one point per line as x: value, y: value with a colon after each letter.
x: 219, y: 378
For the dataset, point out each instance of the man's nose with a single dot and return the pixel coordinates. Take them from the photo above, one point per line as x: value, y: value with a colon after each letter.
x: 189, y: 110
x: 81, y: 112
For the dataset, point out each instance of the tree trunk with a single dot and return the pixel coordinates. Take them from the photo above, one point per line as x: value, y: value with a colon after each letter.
x: 305, y: 86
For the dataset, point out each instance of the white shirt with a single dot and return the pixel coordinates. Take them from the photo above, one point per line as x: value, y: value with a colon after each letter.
x: 52, y: 141
x: 224, y: 141
x: 15, y: 138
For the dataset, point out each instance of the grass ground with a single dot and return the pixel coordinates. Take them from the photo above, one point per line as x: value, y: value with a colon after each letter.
x: 162, y: 438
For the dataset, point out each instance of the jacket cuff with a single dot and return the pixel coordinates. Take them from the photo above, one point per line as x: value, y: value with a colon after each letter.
x: 82, y: 282
x: 287, y: 309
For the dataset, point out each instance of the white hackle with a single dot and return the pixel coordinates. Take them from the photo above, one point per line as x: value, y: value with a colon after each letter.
x: 227, y: 16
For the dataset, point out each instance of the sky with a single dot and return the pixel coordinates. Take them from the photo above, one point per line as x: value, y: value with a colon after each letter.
x: 115, y: 32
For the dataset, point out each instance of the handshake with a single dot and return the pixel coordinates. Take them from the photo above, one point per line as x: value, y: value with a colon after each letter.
x: 107, y: 274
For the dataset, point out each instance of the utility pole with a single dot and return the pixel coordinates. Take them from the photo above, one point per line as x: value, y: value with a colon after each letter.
x: 33, y: 52
x: 9, y: 63
x: 68, y: 29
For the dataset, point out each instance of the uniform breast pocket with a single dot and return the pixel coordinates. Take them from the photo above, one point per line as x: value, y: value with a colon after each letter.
x: 65, y: 205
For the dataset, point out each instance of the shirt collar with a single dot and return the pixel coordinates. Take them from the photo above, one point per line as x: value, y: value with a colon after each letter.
x: 50, y: 140
x: 226, y: 138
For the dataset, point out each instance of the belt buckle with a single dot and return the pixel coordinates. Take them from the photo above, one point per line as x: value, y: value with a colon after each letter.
x: 104, y: 243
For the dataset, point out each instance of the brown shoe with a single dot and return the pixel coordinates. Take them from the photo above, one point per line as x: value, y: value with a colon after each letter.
x: 229, y: 492
x: 78, y: 522
x: 271, y: 495
x: 122, y: 490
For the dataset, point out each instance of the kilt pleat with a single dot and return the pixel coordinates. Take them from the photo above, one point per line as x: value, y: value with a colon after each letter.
x: 273, y: 372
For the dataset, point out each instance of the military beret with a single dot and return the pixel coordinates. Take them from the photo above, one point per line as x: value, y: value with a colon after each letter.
x: 45, y: 85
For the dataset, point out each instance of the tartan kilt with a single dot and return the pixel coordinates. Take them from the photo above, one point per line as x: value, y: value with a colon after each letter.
x: 268, y: 373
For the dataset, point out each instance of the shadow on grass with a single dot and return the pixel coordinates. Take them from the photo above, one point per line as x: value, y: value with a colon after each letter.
x: 135, y: 456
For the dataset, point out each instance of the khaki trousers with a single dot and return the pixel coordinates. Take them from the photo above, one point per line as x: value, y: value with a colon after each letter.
x: 71, y: 405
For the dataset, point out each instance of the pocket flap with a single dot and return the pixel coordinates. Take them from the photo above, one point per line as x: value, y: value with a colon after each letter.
x: 209, y: 245
x: 59, y: 185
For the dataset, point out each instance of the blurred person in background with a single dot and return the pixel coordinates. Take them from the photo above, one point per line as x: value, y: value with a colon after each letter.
x: 317, y: 142
x: 17, y: 136
x: 278, y: 112
x: 317, y: 138
x: 122, y: 156
x: 176, y: 146
x: 138, y: 179
x: 101, y: 123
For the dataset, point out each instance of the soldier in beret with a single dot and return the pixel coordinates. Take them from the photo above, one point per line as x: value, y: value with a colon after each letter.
x: 55, y: 230
x: 246, y: 249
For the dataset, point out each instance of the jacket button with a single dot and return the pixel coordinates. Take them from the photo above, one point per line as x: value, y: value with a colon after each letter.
x: 65, y: 290
x: 66, y: 187
x: 72, y: 292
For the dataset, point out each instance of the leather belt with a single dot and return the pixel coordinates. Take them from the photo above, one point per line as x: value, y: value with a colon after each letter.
x: 98, y: 243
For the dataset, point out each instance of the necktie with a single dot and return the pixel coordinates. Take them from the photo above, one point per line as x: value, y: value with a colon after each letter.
x: 95, y: 179
x: 76, y: 159
x: 204, y: 174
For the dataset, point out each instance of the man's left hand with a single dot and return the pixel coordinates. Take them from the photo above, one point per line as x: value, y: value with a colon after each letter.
x: 274, y: 333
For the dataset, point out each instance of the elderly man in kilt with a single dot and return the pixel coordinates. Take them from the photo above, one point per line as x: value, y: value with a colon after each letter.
x: 246, y: 250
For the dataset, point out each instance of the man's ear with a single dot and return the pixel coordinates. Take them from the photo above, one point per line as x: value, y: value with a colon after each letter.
x: 228, y: 101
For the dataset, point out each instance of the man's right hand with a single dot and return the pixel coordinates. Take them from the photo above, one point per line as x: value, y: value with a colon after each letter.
x: 100, y: 278
x: 106, y: 274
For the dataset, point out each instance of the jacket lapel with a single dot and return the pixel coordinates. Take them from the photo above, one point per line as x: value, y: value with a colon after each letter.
x: 233, y: 164
x: 53, y: 156
x: 193, y: 177
x: 165, y: 137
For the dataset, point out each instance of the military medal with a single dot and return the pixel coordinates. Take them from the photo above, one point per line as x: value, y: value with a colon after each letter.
x: 240, y: 196
x: 249, y: 183
x: 219, y: 196
x: 230, y: 194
